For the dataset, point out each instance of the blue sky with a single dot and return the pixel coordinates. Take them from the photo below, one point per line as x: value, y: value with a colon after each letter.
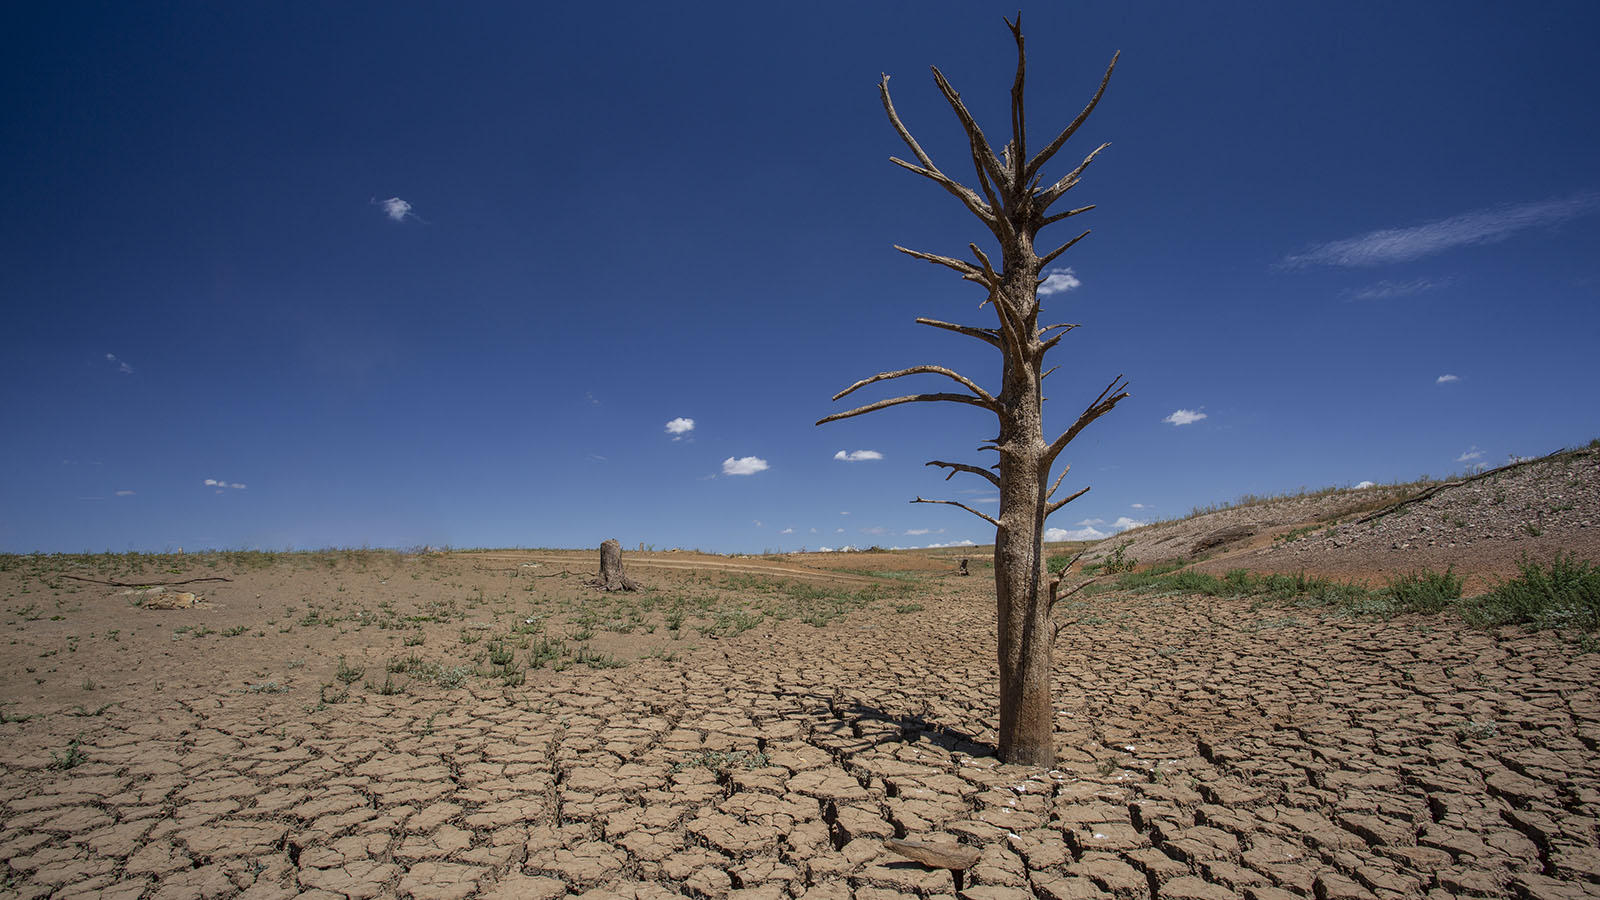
x: 395, y: 274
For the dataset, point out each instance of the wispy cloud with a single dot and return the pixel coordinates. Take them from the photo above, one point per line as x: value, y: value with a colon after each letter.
x: 1483, y: 226
x: 1185, y: 417
x: 857, y: 455
x: 1471, y: 455
x: 787, y: 531
x: 1058, y: 281
x: 220, y: 485
x: 744, y: 465
x: 1137, y: 506
x: 679, y: 427
x: 122, y: 367
x: 397, y: 209
x: 920, y: 531
x: 124, y: 493
x: 1384, y: 290
x: 1446, y: 379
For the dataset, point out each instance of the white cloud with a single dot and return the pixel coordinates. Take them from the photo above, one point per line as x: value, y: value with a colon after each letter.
x: 124, y: 493
x: 680, y: 427
x: 967, y: 543
x: 921, y: 531
x: 758, y: 523
x: 1089, y: 532
x: 397, y: 209
x: 1472, y: 453
x: 1384, y: 290
x: 744, y: 465
x: 1076, y: 534
x: 1366, y: 484
x: 1058, y: 281
x: 1484, y: 226
x: 857, y: 455
x: 122, y: 367
x: 1446, y: 379
x: 1185, y: 417
x: 1137, y: 506
x: 219, y: 484
x: 787, y: 531
x: 838, y: 531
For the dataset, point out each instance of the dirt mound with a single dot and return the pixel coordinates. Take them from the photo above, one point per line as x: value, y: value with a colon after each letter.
x: 1481, y: 526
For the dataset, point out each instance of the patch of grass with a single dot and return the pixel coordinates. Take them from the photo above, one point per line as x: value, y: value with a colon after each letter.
x: 1295, y: 534
x: 268, y: 687
x: 81, y: 710
x: 732, y: 621
x: 347, y: 674
x: 389, y: 688
x: 72, y: 758
x: 595, y: 660
x: 908, y: 607
x: 235, y: 631
x: 1565, y: 594
x: 1425, y: 591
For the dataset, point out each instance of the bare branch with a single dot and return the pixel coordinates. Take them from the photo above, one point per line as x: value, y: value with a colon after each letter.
x: 914, y: 398
x: 1001, y: 225
x: 967, y: 270
x: 987, y: 335
x: 1052, y: 492
x: 965, y: 382
x: 1049, y: 328
x: 961, y: 192
x: 1052, y: 507
x: 1109, y: 398
x: 1048, y: 258
x: 1047, y: 372
x: 963, y: 467
x: 983, y: 258
x: 1070, y: 180
x: 982, y: 154
x: 1051, y: 342
x: 1050, y: 150
x: 1051, y: 220
x: 983, y: 516
x: 1019, y: 123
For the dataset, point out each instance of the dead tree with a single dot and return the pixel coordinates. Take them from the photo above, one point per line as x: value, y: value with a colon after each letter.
x: 612, y: 578
x: 1014, y: 204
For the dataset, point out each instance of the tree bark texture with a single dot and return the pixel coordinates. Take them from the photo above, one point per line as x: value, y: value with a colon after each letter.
x: 612, y: 578
x: 1013, y: 204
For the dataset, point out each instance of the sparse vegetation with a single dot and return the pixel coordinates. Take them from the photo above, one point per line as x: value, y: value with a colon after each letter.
x: 1563, y: 594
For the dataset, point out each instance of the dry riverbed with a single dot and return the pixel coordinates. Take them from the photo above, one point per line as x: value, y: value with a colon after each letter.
x: 373, y: 725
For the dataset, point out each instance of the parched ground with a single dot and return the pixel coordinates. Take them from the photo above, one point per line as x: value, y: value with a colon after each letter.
x: 765, y: 746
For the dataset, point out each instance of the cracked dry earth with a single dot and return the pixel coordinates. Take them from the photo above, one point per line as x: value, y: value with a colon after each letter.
x: 1209, y: 749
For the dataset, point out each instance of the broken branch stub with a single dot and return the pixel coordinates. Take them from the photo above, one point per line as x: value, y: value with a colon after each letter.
x: 612, y: 578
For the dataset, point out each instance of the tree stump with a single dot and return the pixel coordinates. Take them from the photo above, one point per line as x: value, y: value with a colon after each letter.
x: 612, y: 577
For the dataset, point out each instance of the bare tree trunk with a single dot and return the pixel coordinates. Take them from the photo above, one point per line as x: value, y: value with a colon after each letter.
x: 1013, y: 205
x: 612, y: 577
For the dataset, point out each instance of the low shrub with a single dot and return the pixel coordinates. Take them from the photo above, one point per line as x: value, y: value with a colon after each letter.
x: 1566, y: 594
